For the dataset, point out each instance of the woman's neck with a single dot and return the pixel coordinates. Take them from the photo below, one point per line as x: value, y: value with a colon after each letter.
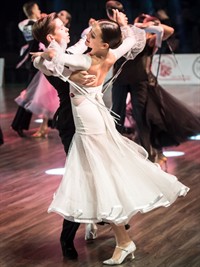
x: 102, y: 53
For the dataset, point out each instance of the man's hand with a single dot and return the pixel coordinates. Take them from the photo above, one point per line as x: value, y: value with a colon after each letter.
x: 47, y: 54
x: 83, y: 78
x: 35, y: 54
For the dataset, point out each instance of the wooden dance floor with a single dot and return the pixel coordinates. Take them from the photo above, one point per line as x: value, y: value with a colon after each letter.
x: 165, y: 237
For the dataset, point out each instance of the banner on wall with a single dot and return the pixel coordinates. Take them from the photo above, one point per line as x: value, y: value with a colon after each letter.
x: 178, y: 69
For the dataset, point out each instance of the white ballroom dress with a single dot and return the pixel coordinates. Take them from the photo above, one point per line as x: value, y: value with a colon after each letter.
x: 107, y: 177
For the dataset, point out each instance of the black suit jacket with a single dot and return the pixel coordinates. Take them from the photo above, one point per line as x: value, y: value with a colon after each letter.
x: 63, y: 118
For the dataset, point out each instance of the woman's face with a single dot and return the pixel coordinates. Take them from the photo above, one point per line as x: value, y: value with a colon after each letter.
x: 63, y: 16
x: 94, y: 39
x: 61, y: 33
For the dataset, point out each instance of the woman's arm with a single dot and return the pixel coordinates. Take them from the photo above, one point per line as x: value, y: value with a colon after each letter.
x: 74, y: 62
x: 168, y: 31
x: 57, y: 60
x: 129, y: 40
x: 128, y: 43
x: 79, y: 77
x: 162, y: 31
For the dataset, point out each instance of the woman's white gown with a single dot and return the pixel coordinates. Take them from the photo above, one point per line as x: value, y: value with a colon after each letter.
x: 108, y: 177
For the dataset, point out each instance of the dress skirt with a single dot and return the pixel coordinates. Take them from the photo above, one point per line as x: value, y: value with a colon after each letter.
x: 169, y: 120
x: 40, y: 97
x: 107, y: 176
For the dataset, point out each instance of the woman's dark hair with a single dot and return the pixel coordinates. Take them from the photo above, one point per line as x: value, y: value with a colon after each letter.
x: 111, y: 33
x: 43, y: 27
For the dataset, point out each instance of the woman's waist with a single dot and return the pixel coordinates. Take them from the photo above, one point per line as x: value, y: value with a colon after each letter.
x: 85, y: 91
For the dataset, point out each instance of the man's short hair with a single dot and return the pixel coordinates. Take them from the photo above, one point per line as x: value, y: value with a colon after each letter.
x: 110, y: 5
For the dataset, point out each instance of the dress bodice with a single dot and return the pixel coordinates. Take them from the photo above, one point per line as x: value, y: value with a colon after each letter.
x: 85, y: 91
x: 88, y: 109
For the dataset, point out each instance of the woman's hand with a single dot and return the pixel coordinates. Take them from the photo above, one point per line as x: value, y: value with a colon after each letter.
x: 120, y: 17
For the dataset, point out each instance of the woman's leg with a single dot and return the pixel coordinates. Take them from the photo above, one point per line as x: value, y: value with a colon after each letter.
x: 121, y: 235
x: 124, y: 246
x: 43, y: 129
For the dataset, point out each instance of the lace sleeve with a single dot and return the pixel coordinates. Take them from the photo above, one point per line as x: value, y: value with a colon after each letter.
x: 134, y: 42
x: 140, y: 37
x: 129, y: 41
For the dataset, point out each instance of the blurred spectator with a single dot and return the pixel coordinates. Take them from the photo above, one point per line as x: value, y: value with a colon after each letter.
x: 66, y: 17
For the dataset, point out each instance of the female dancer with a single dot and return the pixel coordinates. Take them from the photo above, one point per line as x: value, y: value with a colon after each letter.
x: 109, y: 191
x: 66, y: 17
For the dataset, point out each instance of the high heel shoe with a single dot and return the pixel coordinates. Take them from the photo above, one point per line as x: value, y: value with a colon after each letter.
x: 129, y: 250
x: 90, y: 231
x: 40, y: 134
x: 162, y: 161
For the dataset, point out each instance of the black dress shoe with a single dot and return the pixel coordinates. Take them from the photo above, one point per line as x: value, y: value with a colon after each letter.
x: 69, y: 252
x: 21, y: 133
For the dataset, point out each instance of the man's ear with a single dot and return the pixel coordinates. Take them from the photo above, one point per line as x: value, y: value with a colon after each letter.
x: 50, y: 37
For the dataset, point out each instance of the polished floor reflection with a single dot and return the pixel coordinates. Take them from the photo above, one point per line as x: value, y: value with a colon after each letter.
x: 166, y: 237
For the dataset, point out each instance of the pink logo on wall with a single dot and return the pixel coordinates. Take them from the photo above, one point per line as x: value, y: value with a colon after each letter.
x: 167, y: 65
x: 165, y: 69
x: 177, y: 69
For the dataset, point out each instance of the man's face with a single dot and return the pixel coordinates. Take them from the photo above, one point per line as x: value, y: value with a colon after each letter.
x: 61, y: 33
x: 36, y: 11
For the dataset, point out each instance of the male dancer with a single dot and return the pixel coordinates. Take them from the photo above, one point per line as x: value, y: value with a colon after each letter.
x: 65, y: 124
x: 22, y: 117
x: 63, y: 121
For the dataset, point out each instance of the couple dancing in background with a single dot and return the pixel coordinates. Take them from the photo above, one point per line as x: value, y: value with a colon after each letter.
x: 117, y: 180
x: 160, y: 120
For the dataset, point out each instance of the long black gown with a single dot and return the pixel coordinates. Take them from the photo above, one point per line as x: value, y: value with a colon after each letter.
x: 169, y: 121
